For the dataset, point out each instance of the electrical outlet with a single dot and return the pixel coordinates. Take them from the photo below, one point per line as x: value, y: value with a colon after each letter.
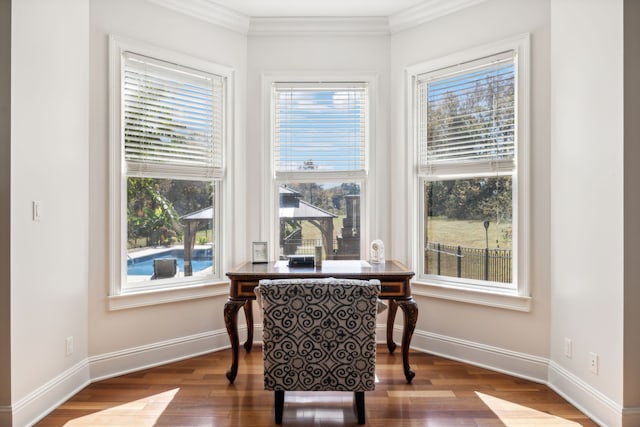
x: 69, y: 346
x: 593, y: 360
x: 568, y: 350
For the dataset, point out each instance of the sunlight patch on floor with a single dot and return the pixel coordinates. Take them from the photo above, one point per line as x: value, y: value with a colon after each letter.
x: 142, y: 412
x: 511, y: 414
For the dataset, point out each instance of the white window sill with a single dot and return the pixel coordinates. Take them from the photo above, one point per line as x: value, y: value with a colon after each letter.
x: 508, y: 300
x: 167, y: 295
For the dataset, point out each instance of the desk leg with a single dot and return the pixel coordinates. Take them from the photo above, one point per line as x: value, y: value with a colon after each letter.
x: 410, y: 309
x: 231, y: 309
x: 248, y: 314
x: 391, y: 317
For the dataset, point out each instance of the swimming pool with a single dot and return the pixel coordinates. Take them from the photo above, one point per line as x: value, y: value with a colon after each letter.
x: 143, y: 266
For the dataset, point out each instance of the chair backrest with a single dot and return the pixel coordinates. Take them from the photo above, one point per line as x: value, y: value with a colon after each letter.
x: 164, y: 268
x: 319, y: 334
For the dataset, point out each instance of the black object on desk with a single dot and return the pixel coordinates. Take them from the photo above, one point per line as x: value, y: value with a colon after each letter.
x: 301, y: 261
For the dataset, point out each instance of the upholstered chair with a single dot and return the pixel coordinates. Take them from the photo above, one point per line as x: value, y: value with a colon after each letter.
x: 319, y: 335
x: 164, y: 268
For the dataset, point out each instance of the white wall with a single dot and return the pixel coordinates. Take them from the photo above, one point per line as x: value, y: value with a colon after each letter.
x: 123, y: 340
x: 631, y: 204
x: 307, y: 54
x: 49, y: 163
x: 512, y: 340
x: 587, y: 204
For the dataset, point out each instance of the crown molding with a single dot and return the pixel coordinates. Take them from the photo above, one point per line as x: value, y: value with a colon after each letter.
x: 209, y: 12
x: 425, y: 12
x: 287, y: 26
x: 213, y: 13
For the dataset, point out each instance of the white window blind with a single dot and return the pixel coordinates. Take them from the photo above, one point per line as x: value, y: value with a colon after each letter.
x: 173, y: 118
x: 467, y: 117
x: 320, y: 127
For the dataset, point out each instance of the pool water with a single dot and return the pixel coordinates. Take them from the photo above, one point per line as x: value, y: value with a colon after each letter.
x: 144, y: 266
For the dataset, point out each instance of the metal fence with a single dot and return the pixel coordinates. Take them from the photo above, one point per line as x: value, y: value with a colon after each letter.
x: 301, y: 246
x: 470, y: 263
x: 308, y: 246
x: 447, y: 260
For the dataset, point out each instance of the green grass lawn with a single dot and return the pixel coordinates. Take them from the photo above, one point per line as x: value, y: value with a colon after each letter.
x: 469, y: 234
x: 310, y: 231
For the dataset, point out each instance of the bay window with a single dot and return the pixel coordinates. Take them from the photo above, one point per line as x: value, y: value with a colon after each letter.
x: 470, y: 127
x: 168, y: 131
x: 320, y: 137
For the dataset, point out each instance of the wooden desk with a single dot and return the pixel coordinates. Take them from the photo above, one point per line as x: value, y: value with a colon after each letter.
x: 395, y: 287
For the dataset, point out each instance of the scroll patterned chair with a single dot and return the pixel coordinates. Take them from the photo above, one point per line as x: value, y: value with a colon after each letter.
x: 319, y: 335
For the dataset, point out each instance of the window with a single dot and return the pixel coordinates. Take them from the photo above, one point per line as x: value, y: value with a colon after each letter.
x: 168, y: 133
x: 471, y: 181
x: 320, y: 137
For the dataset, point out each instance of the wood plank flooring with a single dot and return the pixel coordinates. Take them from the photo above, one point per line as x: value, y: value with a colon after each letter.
x: 195, y: 392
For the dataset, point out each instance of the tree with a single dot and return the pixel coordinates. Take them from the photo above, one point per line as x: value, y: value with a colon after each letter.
x: 189, y: 196
x: 150, y: 215
x: 468, y: 120
x: 470, y: 199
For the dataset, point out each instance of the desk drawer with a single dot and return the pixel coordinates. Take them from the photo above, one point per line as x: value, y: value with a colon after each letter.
x: 243, y: 288
x: 393, y: 288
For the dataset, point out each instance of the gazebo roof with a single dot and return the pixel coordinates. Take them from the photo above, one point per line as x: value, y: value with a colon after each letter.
x: 305, y: 211
x: 287, y: 190
x: 202, y: 214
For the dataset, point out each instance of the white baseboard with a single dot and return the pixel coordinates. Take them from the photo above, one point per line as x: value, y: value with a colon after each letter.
x: 497, y: 359
x: 31, y: 408
x: 129, y: 360
x: 590, y: 401
x: 597, y: 406
x: 46, y: 398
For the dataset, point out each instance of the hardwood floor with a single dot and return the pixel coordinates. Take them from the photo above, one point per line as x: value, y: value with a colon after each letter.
x: 195, y: 392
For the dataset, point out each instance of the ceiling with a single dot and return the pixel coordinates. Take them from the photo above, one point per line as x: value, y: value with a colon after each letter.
x: 319, y: 8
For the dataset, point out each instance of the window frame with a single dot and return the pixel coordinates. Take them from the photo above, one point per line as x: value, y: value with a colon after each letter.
x: 121, y: 294
x: 516, y: 297
x: 364, y: 177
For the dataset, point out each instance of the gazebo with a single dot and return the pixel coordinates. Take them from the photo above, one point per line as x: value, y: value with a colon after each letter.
x: 292, y: 207
x: 192, y: 223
